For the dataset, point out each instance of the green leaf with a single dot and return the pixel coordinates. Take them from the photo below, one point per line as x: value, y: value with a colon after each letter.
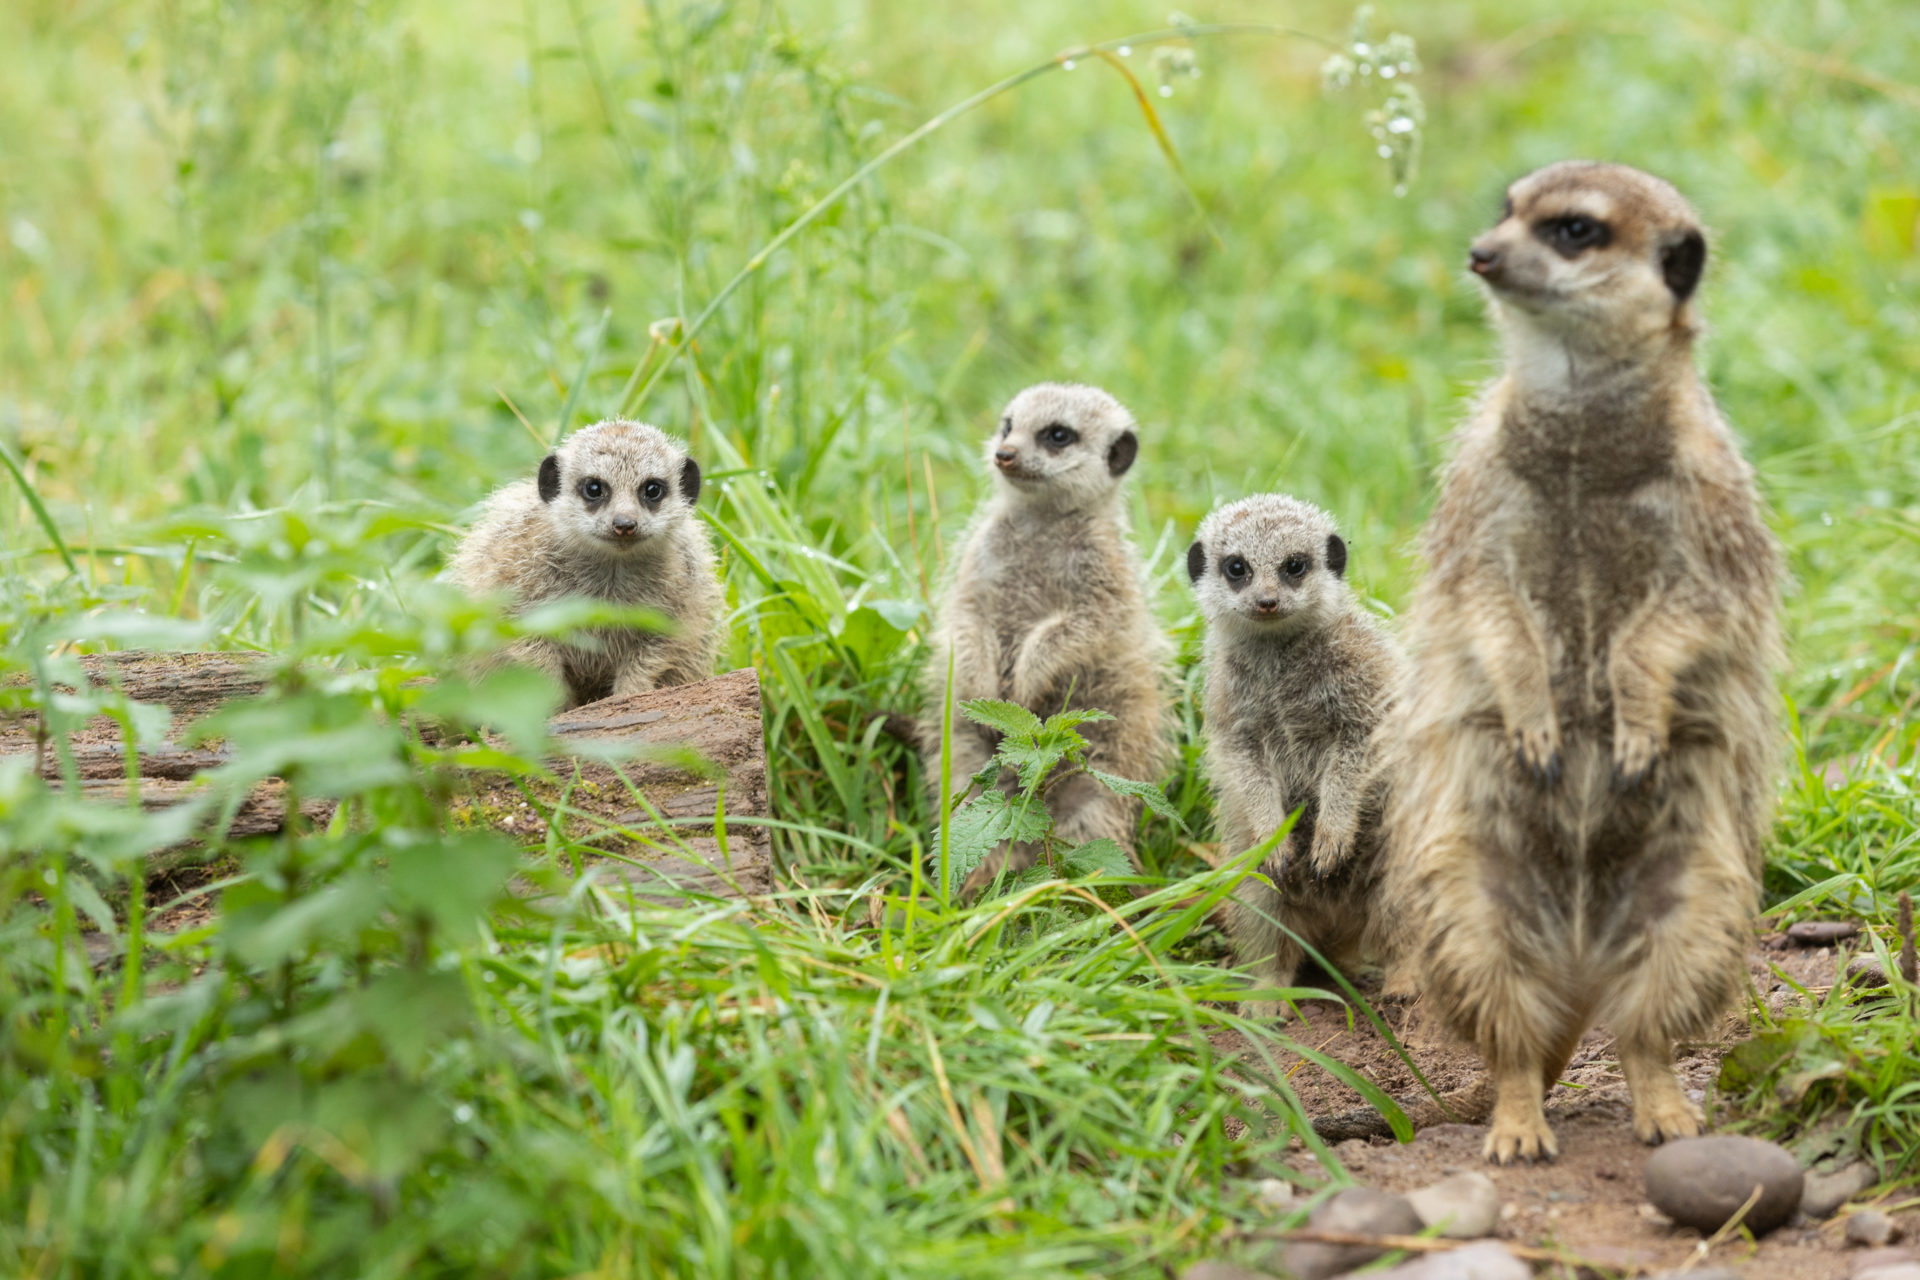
x: 1154, y: 798
x: 1098, y: 857
x: 982, y: 823
x: 1009, y: 718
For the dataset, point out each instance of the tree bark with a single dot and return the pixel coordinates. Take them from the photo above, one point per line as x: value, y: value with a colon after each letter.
x: 659, y: 792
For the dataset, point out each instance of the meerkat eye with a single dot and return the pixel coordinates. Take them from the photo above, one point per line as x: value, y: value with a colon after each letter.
x: 1059, y: 435
x: 593, y: 489
x: 1006, y: 427
x: 1235, y: 568
x: 1576, y: 232
x: 653, y: 491
x: 1295, y: 566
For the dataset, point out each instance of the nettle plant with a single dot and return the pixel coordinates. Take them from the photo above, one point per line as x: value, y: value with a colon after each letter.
x: 1034, y: 757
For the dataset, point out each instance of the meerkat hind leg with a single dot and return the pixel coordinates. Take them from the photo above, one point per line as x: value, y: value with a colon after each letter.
x: 1519, y: 1129
x: 1661, y: 1109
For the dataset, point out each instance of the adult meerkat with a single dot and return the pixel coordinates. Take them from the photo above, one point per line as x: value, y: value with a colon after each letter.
x: 608, y: 516
x: 1046, y: 609
x: 1585, y: 759
x: 1298, y: 676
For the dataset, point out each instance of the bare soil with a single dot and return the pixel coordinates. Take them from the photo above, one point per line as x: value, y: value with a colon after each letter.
x: 1591, y: 1202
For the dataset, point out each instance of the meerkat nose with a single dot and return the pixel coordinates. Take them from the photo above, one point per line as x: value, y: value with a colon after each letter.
x: 625, y: 525
x: 1482, y: 260
x: 1265, y: 604
x: 1004, y: 456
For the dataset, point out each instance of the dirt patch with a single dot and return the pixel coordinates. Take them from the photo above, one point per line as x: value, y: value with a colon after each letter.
x: 1591, y: 1202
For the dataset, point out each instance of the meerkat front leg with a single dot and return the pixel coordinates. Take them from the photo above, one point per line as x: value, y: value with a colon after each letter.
x: 1337, y: 822
x: 1058, y: 645
x: 1507, y: 641
x: 546, y: 656
x: 1646, y: 661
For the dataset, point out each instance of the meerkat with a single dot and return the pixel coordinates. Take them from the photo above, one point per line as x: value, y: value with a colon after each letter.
x: 1297, y: 676
x: 608, y: 516
x: 1586, y: 746
x: 1046, y: 609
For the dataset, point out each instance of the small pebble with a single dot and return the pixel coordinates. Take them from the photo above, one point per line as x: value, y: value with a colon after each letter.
x: 1275, y: 1195
x: 1703, y: 1182
x: 1361, y: 1210
x: 1823, y: 1193
x: 1711, y: 1273
x: 1898, y: 1271
x: 1822, y: 933
x: 1865, y: 971
x: 1871, y: 1228
x: 1463, y: 1207
x: 1876, y: 1259
x: 1487, y: 1260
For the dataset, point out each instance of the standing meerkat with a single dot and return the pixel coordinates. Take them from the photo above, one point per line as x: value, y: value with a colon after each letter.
x: 1046, y: 609
x: 1586, y: 752
x: 1298, y: 676
x: 609, y: 516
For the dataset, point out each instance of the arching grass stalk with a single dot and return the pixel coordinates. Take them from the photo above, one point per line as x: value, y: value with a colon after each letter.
x: 643, y: 378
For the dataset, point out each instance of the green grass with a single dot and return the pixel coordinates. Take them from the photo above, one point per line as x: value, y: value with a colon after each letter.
x: 272, y: 273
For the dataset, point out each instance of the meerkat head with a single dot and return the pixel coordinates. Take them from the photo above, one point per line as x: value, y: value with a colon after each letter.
x: 616, y: 485
x: 1268, y: 566
x: 1062, y: 446
x: 1599, y: 259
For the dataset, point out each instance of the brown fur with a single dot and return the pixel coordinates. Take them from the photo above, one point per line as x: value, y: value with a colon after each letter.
x: 538, y: 548
x: 1298, y: 677
x: 1045, y: 609
x: 1587, y: 744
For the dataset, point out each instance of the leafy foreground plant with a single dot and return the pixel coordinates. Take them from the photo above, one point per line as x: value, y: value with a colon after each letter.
x: 369, y: 1054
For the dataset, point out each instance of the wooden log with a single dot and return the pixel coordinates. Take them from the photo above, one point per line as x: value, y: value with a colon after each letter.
x: 681, y: 754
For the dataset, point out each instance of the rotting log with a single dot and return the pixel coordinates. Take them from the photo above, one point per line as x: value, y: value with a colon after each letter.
x: 684, y: 750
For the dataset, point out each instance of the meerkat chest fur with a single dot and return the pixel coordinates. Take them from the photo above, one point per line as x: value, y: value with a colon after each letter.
x: 1031, y: 567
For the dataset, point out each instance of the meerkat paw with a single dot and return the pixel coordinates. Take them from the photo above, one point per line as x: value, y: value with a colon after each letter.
x: 1635, y: 753
x: 1329, y: 854
x: 1666, y: 1115
x: 1268, y: 1011
x: 1511, y: 1138
x: 1537, y: 748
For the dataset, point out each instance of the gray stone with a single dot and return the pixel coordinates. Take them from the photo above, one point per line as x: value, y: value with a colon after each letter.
x: 1488, y: 1260
x: 1464, y: 1207
x: 1898, y: 1271
x: 1822, y: 1193
x: 1822, y: 933
x: 1882, y: 1259
x: 1871, y: 1228
x: 1360, y: 1210
x: 1702, y: 1182
x: 1273, y: 1195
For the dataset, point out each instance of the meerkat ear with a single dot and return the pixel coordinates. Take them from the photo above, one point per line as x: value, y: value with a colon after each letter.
x: 1196, y: 561
x: 549, y: 478
x: 1121, y: 452
x: 1336, y: 555
x: 1681, y: 263
x: 690, y: 481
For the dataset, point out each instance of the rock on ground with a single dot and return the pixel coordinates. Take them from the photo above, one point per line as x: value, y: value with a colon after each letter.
x: 1823, y: 1193
x: 1702, y: 1182
x: 1872, y: 1228
x: 1487, y: 1260
x: 1357, y: 1209
x: 1464, y: 1207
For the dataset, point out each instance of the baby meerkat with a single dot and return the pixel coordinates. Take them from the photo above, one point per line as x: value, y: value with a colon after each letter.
x: 1045, y: 609
x: 609, y: 516
x: 1586, y: 748
x: 1298, y: 676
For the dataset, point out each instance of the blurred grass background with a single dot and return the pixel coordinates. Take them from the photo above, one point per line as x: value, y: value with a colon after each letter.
x: 278, y: 260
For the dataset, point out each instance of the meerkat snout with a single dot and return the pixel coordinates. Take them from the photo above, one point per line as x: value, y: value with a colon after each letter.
x: 1592, y: 255
x: 1062, y: 445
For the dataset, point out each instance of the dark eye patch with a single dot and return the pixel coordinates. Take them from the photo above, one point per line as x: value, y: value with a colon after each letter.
x: 652, y: 491
x: 1572, y: 234
x: 1296, y: 566
x: 1506, y: 208
x: 1237, y: 572
x: 593, y: 490
x: 1006, y: 427
x: 1058, y: 435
